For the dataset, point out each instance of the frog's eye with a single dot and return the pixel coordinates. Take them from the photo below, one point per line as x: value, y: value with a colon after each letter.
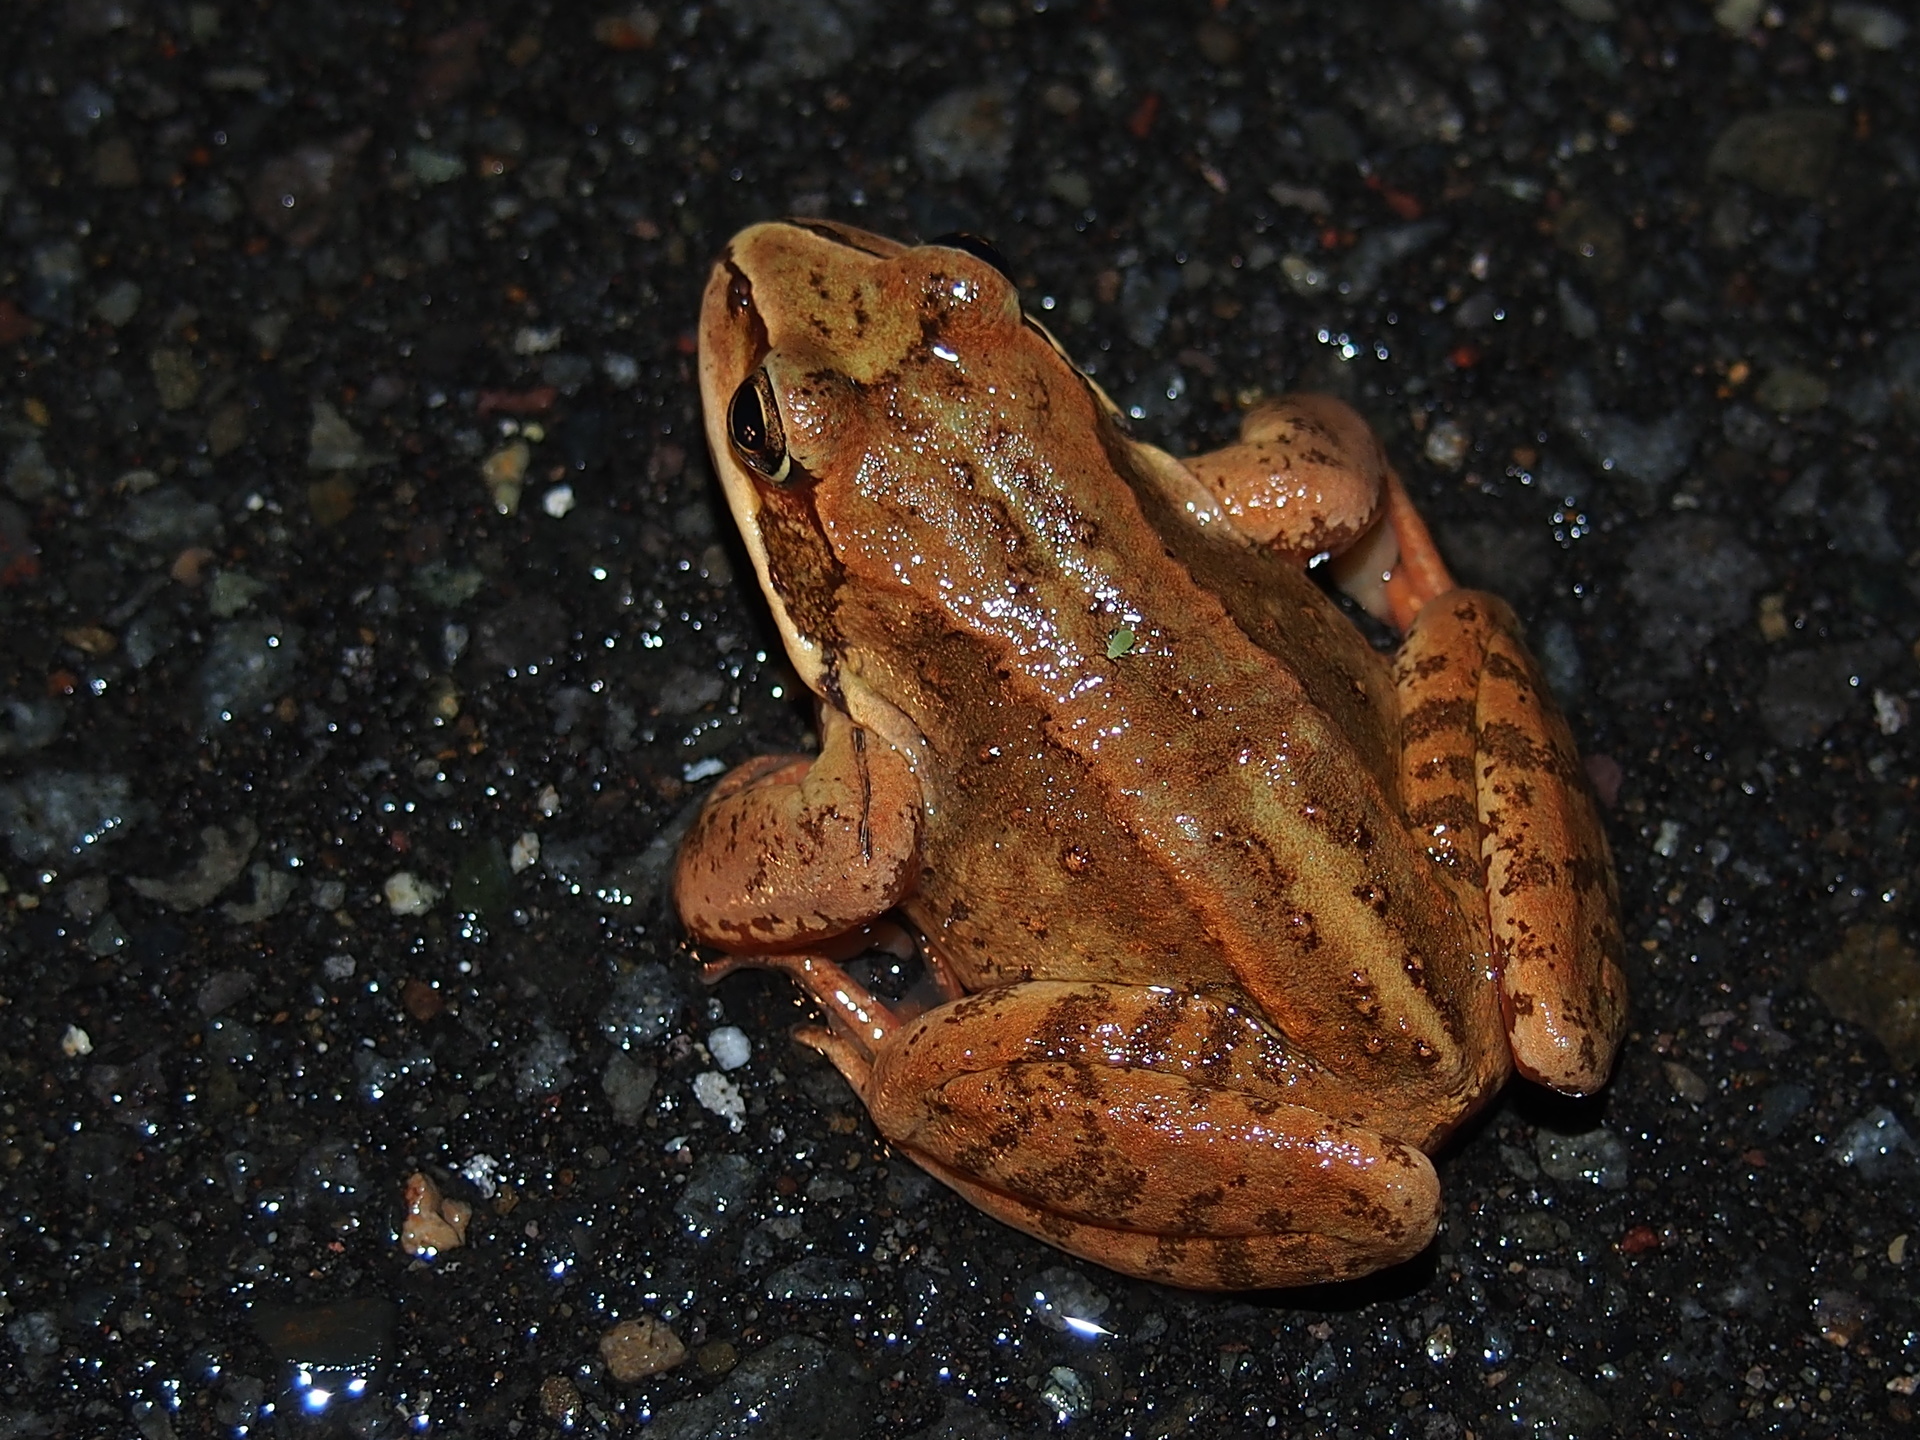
x: 753, y: 424
x: 978, y: 248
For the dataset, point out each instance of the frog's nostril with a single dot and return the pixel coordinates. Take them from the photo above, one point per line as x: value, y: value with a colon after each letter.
x: 753, y: 424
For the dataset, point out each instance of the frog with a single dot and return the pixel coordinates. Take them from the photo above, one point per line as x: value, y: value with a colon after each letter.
x: 1229, y: 919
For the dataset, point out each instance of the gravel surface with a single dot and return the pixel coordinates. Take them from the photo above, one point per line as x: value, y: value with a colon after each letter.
x: 371, y: 625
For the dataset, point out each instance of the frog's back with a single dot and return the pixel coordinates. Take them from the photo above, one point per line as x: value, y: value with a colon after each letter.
x: 1212, y: 804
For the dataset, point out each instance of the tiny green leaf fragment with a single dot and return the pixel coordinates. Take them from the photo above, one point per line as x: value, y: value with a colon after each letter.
x: 1120, y: 642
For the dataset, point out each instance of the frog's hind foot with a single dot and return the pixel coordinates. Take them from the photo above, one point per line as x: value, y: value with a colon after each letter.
x: 858, y: 1022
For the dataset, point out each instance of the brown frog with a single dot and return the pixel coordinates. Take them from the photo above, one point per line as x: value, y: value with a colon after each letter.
x: 1233, y: 918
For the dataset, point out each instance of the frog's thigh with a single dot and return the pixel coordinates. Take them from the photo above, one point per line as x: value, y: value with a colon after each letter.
x: 1480, y: 728
x: 1150, y: 1173
x: 790, y: 849
x: 1307, y: 476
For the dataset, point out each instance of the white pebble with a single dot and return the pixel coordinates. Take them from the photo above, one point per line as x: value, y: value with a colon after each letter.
x: 408, y: 894
x: 525, y: 852
x: 729, y: 1047
x: 76, y: 1042
x: 720, y: 1095
x: 557, y: 501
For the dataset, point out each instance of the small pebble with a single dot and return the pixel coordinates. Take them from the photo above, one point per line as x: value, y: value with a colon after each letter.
x: 558, y: 501
x: 408, y: 894
x: 729, y: 1047
x: 421, y: 1000
x: 720, y: 1095
x: 118, y: 304
x: 75, y: 1043
x: 560, y: 1401
x: 1877, y: 1144
x: 505, y: 472
x: 525, y: 851
x: 1447, y: 444
x: 433, y: 1223
x: 1067, y: 1391
x: 1687, y: 1084
x: 635, y: 1349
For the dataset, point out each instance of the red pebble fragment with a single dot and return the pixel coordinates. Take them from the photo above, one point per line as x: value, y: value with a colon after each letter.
x: 19, y: 556
x: 1140, y: 123
x: 421, y: 1000
x: 516, y: 402
x: 1607, y: 777
x: 14, y: 325
x: 1639, y: 1240
x: 1406, y: 206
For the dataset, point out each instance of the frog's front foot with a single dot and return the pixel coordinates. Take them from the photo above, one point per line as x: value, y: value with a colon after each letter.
x: 1161, y: 1134
x: 792, y: 850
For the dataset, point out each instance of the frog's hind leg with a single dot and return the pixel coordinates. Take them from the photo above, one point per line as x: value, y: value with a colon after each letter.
x: 1487, y: 756
x: 1309, y: 478
x: 1391, y: 1232
x: 1164, y: 1135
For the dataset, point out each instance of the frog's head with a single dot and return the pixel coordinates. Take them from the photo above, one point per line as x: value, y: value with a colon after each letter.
x: 846, y: 379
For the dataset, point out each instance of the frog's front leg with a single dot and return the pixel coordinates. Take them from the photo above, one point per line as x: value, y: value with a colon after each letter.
x: 792, y: 849
x: 1165, y: 1135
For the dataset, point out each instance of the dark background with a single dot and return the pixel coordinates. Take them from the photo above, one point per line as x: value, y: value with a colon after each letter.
x: 356, y: 522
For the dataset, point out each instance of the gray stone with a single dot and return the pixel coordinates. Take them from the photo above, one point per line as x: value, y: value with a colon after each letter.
x: 1693, y: 578
x: 796, y: 1388
x: 1649, y: 454
x: 644, y: 1006
x: 628, y: 1086
x: 224, y: 851
x: 1547, y: 1402
x: 818, y: 1277
x: 1598, y: 1157
x: 1807, y: 692
x: 248, y: 664
x: 718, y: 1188
x: 960, y: 1421
x: 966, y: 132
x: 1788, y: 152
x: 51, y: 814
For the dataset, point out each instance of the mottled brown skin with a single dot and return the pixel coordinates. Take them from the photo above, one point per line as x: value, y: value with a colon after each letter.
x: 1234, y: 924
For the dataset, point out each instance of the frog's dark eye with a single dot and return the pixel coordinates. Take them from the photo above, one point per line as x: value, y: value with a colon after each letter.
x: 978, y: 248
x: 753, y: 424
